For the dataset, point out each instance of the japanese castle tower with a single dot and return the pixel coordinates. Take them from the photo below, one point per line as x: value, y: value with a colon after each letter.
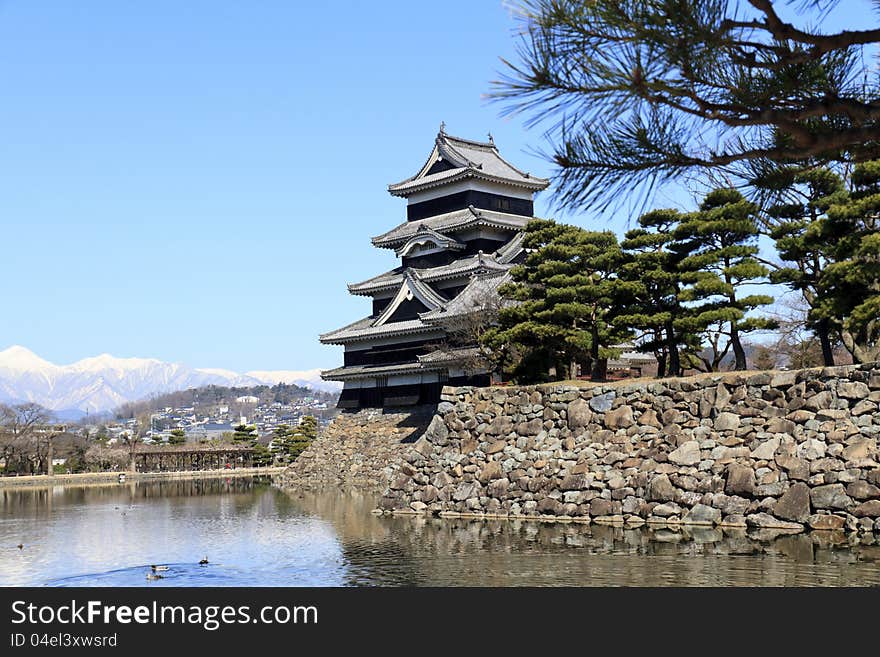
x: 466, y: 210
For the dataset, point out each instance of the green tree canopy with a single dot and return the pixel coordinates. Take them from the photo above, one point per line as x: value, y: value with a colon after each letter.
x: 849, y: 286
x: 795, y: 220
x: 568, y: 292
x: 718, y: 247
x: 244, y: 434
x: 177, y: 437
x: 654, y: 308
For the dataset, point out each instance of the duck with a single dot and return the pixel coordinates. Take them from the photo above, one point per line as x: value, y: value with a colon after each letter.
x: 204, y: 562
x: 20, y: 546
x: 154, y: 576
x: 159, y: 569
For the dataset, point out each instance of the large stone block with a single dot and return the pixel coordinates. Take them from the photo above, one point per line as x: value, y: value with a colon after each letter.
x: 862, y: 490
x: 492, y: 470
x: 853, y: 390
x: 825, y: 521
x: 620, y: 418
x: 437, y: 432
x: 701, y: 514
x: 660, y: 489
x: 602, y: 403
x: 579, y: 414
x: 687, y: 454
x: 830, y: 496
x: 862, y: 448
x: 575, y: 482
x: 547, y: 505
x: 766, y: 521
x: 766, y: 450
x: 727, y: 422
x: 794, y: 504
x: 870, y: 509
x: 740, y: 480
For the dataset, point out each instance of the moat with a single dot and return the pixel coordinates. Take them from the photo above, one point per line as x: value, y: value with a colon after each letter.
x: 254, y: 534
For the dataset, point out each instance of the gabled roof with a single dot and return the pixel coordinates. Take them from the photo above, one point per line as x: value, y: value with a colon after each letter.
x: 412, y: 287
x: 471, y: 299
x: 370, y: 327
x: 424, y: 235
x: 468, y: 159
x: 451, y: 222
x: 461, y: 268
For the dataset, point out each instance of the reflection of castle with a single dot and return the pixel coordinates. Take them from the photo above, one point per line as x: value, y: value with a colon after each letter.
x: 466, y: 209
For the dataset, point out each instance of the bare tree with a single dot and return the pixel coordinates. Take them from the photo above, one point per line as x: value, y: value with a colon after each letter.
x: 131, y: 439
x: 20, y: 437
x: 465, y: 329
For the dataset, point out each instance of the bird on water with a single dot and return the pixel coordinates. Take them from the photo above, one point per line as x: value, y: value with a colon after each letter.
x: 154, y: 576
x: 204, y: 562
x: 157, y: 569
x: 20, y: 546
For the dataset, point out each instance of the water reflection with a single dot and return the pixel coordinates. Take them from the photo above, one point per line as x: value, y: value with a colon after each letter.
x: 257, y: 535
x: 453, y: 552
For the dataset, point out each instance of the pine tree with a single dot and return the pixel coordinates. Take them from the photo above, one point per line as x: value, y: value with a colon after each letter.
x: 795, y: 220
x: 244, y: 434
x: 177, y: 437
x: 568, y: 292
x: 637, y: 93
x: 718, y: 246
x: 849, y: 286
x: 654, y: 307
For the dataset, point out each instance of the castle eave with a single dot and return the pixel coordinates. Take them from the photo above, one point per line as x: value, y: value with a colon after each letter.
x: 350, y: 373
x: 364, y: 330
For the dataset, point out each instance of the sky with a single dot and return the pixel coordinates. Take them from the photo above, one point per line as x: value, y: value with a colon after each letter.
x: 198, y: 181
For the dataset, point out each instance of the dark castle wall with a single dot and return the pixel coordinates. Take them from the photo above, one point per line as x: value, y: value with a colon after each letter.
x: 461, y: 200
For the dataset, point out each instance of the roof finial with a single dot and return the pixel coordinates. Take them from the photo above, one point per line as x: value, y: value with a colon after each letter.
x: 491, y: 141
x: 442, y: 127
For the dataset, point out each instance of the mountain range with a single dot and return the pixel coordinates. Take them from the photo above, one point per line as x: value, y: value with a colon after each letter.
x: 104, y: 382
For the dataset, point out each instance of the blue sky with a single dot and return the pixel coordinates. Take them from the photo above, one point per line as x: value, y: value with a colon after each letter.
x: 197, y: 181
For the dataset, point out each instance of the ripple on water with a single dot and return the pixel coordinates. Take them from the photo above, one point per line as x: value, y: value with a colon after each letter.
x: 255, y: 535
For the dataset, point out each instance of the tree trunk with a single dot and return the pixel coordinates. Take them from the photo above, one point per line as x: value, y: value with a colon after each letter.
x: 598, y: 366
x: 739, y: 354
x: 661, y: 364
x: 674, y: 368
x: 823, y: 331
x: 49, y: 455
x: 599, y: 370
x: 861, y: 353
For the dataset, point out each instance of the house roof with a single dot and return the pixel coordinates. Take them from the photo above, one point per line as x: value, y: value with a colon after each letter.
x: 467, y: 159
x: 451, y: 222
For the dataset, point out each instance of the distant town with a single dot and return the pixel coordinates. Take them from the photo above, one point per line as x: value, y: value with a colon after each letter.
x: 267, y: 420
x: 213, y: 413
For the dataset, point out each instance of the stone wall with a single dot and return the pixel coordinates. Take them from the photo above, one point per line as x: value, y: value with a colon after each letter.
x: 785, y: 450
x: 356, y: 450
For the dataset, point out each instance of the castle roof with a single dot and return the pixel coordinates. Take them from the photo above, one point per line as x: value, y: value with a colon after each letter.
x: 451, y: 222
x: 463, y: 267
x: 460, y: 159
x: 481, y: 289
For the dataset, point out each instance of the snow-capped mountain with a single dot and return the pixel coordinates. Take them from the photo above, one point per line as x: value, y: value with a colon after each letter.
x: 104, y: 382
